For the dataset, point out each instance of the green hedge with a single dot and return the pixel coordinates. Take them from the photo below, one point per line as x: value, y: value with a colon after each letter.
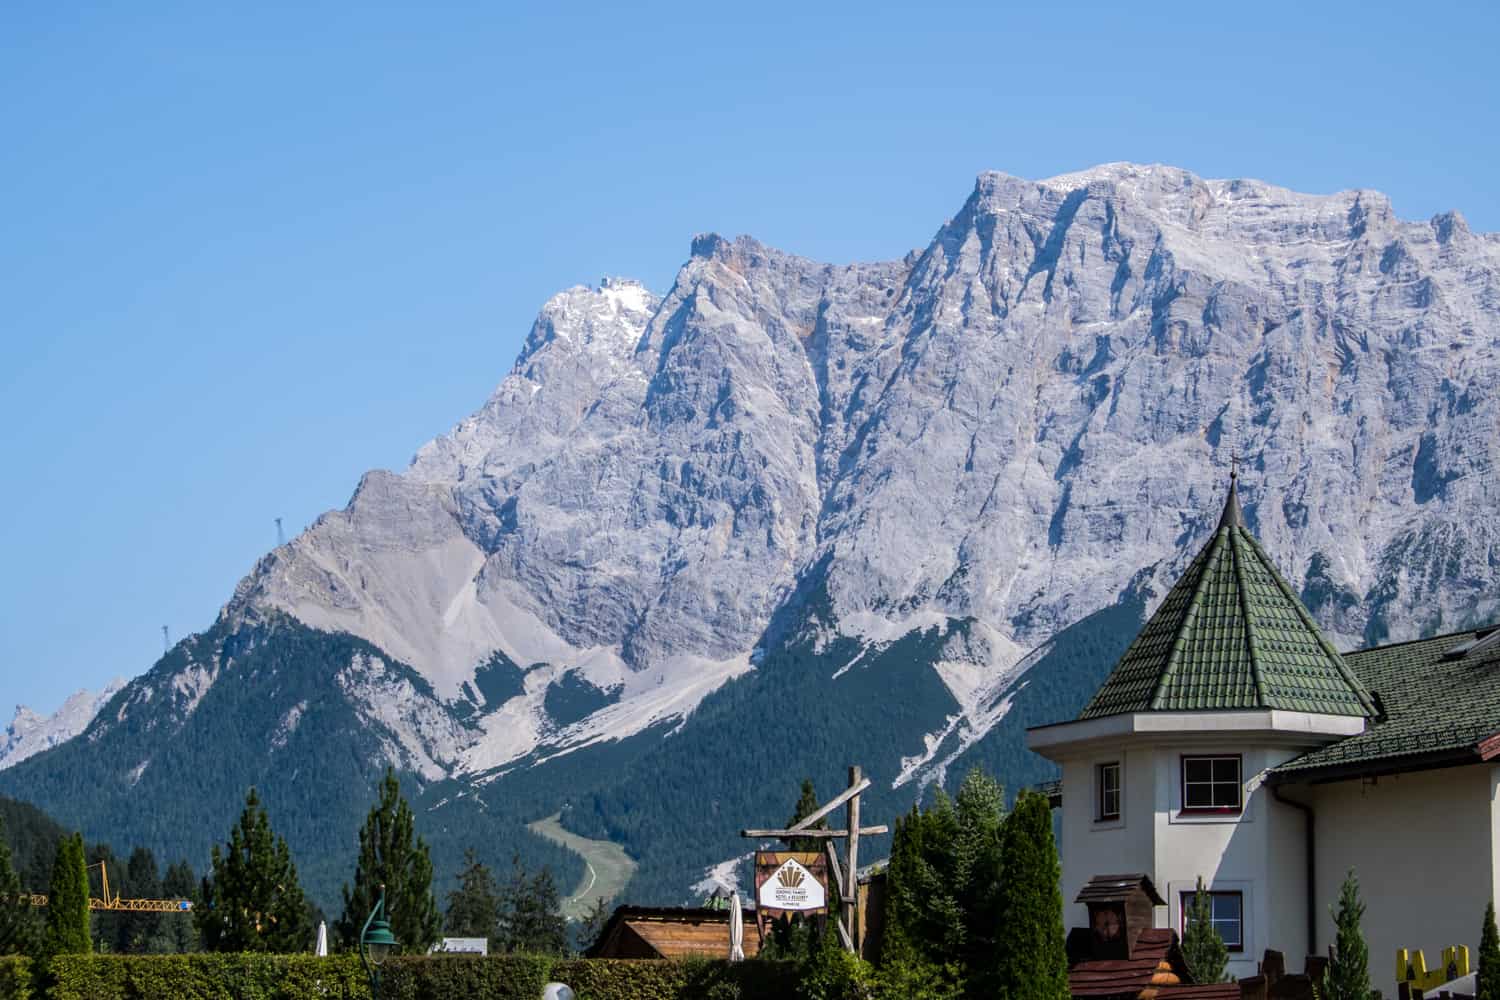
x: 15, y: 977
x: 445, y: 977
x: 207, y: 977
x: 521, y: 977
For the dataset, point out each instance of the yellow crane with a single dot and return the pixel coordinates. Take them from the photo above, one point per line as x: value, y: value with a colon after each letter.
x: 105, y: 901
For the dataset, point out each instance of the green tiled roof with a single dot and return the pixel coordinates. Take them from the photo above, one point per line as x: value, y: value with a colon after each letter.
x: 1231, y: 634
x: 1436, y: 710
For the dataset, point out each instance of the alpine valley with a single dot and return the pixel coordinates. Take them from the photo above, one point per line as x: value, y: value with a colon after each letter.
x: 791, y: 516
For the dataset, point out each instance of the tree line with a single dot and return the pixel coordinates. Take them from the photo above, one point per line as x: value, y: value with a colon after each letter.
x: 251, y: 898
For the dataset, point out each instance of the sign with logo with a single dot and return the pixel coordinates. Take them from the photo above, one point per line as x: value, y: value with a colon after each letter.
x: 788, y: 882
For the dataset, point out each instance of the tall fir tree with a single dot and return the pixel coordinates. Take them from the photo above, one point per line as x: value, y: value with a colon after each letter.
x: 474, y: 907
x: 1487, y: 979
x: 251, y: 899
x: 144, y: 933
x: 980, y: 809
x: 1031, y: 962
x: 531, y: 917
x: 807, y: 804
x: 17, y: 920
x: 592, y: 925
x: 67, y: 927
x: 1348, y: 973
x: 180, y: 882
x: 391, y: 854
x: 1202, y: 945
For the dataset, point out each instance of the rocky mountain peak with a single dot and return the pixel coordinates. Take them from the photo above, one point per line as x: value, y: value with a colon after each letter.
x: 1006, y: 429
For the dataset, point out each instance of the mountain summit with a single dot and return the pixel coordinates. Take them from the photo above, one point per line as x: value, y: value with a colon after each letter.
x: 945, y: 461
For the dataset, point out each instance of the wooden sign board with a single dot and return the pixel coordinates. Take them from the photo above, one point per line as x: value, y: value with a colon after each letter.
x: 789, y: 882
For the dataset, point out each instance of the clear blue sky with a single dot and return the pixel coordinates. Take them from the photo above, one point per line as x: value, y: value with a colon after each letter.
x: 249, y: 251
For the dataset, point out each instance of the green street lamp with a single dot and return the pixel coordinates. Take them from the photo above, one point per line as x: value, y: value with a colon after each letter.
x: 376, y: 942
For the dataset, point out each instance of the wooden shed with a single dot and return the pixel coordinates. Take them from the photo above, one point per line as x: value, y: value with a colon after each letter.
x: 671, y: 932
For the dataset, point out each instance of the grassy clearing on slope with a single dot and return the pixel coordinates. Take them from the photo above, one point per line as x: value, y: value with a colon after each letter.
x: 606, y: 865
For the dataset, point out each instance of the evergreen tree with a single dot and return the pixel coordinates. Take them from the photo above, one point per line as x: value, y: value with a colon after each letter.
x: 1031, y: 962
x: 592, y: 924
x: 1487, y: 979
x: 474, y: 907
x: 1348, y: 973
x: 980, y: 809
x: 17, y: 923
x: 251, y: 899
x: 943, y: 883
x: 67, y: 927
x: 1202, y: 945
x: 144, y: 933
x: 531, y: 919
x: 391, y: 854
x: 181, y: 883
x: 807, y: 804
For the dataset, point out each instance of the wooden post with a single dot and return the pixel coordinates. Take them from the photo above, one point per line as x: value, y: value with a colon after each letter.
x: 851, y: 902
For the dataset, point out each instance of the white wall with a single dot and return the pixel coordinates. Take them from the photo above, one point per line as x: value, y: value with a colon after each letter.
x: 1089, y: 848
x: 1258, y: 852
x: 1423, y: 846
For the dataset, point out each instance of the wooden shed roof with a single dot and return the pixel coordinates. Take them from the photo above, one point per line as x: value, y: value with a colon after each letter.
x: 670, y: 932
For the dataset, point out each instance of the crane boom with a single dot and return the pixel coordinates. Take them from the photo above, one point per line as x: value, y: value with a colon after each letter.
x: 116, y: 903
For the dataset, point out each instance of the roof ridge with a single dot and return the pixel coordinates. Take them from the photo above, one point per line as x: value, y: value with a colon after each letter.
x: 1189, y: 619
x: 1354, y: 682
x: 1429, y: 638
x: 1240, y: 591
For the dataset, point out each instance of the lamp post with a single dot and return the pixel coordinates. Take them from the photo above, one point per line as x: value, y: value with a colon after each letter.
x: 376, y: 942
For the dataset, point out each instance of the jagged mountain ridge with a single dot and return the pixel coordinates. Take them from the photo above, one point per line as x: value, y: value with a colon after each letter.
x: 30, y: 732
x: 941, y: 461
x: 1005, y: 427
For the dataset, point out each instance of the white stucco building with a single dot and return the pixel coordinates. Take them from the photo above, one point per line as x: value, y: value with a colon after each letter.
x: 1233, y: 743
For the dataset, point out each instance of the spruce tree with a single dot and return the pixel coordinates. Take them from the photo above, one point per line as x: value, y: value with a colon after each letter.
x: 180, y: 882
x: 1487, y: 979
x: 474, y: 907
x: 16, y: 919
x: 144, y: 933
x: 252, y: 900
x: 531, y: 919
x: 592, y: 924
x: 980, y: 810
x: 1031, y: 962
x: 1202, y: 945
x: 807, y: 804
x: 1348, y: 973
x: 391, y: 854
x: 67, y: 928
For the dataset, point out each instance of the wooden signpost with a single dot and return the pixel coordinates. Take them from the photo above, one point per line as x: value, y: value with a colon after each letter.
x: 845, y: 877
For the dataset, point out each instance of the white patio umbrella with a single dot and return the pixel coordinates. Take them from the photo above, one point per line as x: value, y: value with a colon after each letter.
x: 736, y: 929
x: 321, y: 948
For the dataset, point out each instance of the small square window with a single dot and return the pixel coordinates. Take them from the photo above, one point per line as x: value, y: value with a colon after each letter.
x: 1228, y: 910
x: 1108, y: 782
x: 1211, y: 784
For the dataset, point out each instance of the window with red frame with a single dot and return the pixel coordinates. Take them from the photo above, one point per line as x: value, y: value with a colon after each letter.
x: 1211, y: 784
x: 1228, y: 910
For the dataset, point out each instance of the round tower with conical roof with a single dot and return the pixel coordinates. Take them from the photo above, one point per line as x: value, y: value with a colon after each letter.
x: 1163, y: 770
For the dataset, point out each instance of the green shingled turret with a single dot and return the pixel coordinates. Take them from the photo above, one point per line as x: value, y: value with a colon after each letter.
x: 1231, y: 635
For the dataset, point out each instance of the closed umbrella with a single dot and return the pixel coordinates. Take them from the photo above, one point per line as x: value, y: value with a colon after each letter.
x: 321, y: 948
x: 736, y: 929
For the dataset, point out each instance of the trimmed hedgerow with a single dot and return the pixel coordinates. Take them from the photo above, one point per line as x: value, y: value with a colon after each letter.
x: 15, y: 977
x: 521, y: 977
x: 439, y: 977
x: 250, y: 976
x: 620, y: 979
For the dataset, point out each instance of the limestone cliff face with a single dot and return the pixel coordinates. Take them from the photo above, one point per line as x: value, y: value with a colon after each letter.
x: 1009, y: 426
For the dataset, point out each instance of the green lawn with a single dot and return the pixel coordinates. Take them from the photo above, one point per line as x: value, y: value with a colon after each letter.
x: 607, y: 869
